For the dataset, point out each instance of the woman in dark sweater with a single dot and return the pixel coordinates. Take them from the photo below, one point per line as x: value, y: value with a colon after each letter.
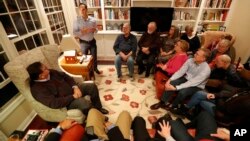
x: 192, y: 39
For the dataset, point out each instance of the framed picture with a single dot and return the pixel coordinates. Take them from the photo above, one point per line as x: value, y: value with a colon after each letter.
x: 222, y: 28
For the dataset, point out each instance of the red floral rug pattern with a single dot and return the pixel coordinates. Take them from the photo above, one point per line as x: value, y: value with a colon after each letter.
x: 133, y: 96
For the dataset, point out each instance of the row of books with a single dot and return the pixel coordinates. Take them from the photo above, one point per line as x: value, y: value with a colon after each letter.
x: 93, y: 3
x: 90, y: 3
x: 215, y: 16
x: 187, y: 3
x: 218, y: 3
x: 118, y: 3
x: 181, y: 15
x: 120, y: 14
x: 214, y: 27
x: 97, y: 14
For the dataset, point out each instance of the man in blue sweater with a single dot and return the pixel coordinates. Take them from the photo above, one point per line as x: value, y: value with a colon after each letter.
x: 125, y: 48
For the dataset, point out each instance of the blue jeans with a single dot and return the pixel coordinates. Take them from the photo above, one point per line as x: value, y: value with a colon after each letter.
x: 181, y: 94
x: 130, y: 64
x: 200, y: 97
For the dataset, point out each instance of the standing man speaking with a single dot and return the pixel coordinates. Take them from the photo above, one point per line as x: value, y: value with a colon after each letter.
x: 84, y: 28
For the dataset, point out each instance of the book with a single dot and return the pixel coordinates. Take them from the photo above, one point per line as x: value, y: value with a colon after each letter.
x: 35, y: 135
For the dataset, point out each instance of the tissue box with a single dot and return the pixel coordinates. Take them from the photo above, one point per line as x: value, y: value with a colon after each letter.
x: 70, y: 57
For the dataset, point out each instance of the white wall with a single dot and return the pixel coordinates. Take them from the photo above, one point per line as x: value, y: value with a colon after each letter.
x: 238, y: 24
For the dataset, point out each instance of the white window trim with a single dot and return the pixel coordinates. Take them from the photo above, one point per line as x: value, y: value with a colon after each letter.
x: 10, y: 106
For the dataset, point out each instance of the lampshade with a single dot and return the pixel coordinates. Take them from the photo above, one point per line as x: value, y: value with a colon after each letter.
x: 68, y: 42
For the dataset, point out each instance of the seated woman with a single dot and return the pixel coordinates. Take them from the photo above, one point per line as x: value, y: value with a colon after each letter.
x: 192, y: 39
x: 222, y: 48
x: 163, y: 71
x: 167, y: 50
x: 214, y: 44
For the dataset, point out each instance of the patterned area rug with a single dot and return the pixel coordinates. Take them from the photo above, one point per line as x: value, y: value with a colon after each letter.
x: 133, y: 96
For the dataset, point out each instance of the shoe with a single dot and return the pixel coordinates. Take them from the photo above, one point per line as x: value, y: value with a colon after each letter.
x: 177, y: 111
x: 156, y: 105
x: 104, y: 111
x: 167, y: 117
x: 132, y: 78
x: 166, y: 107
x: 119, y: 79
x: 147, y: 74
x: 140, y: 71
x: 97, y: 71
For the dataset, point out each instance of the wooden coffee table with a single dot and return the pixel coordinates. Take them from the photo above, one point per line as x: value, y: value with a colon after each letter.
x: 86, y: 68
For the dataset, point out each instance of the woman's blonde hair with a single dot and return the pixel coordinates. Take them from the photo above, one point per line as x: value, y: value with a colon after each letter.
x: 184, y: 45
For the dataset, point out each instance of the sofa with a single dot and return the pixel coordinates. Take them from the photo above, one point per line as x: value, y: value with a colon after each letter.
x: 16, y: 70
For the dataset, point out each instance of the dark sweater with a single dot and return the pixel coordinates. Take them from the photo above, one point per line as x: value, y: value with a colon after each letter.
x: 56, y: 92
x: 152, y: 41
x: 125, y: 45
x: 194, y: 43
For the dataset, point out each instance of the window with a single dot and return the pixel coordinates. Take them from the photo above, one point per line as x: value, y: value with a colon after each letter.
x: 7, y: 88
x: 22, y: 24
x: 23, y: 27
x: 53, y: 10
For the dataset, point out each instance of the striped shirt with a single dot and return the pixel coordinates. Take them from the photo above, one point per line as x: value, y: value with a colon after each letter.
x: 80, y: 23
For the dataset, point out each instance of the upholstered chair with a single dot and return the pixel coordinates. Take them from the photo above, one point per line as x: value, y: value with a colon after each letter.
x: 16, y: 70
x: 209, y: 36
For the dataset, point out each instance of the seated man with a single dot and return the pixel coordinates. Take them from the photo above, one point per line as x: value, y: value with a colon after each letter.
x: 118, y: 132
x: 190, y: 78
x: 235, y: 82
x: 222, y: 48
x: 57, y: 90
x: 125, y: 48
x: 149, y: 46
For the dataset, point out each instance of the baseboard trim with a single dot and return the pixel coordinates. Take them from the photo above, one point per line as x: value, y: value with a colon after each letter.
x: 27, y: 121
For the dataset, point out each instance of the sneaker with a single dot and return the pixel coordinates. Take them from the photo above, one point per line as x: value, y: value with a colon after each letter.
x: 131, y: 78
x: 97, y: 71
x: 119, y: 79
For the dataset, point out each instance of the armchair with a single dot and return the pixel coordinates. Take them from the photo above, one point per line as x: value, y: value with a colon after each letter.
x: 16, y: 70
x: 208, y: 37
